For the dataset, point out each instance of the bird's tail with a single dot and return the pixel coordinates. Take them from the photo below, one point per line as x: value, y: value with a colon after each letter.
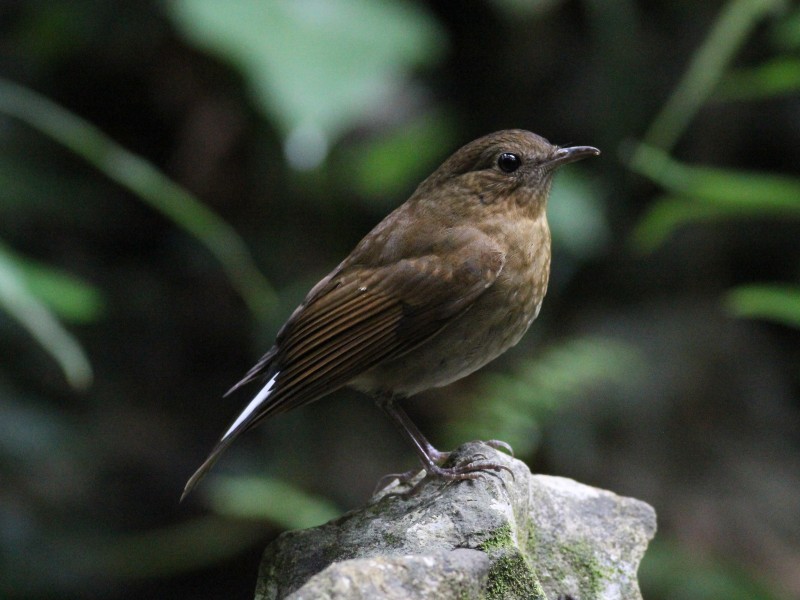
x: 251, y: 413
x: 213, y: 457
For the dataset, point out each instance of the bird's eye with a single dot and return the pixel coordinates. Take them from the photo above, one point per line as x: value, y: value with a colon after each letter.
x: 509, y: 162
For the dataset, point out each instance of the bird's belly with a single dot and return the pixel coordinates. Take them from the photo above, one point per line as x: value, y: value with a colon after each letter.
x: 496, y: 321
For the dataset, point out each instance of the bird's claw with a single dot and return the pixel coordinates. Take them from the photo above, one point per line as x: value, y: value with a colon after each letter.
x: 401, y: 478
x: 500, y: 445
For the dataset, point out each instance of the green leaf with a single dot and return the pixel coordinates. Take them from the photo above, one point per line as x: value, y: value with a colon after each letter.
x: 726, y: 188
x: 17, y: 300
x: 777, y: 77
x: 315, y: 67
x: 706, y: 193
x: 269, y: 499
x: 382, y: 168
x: 67, y: 296
x: 778, y: 303
x: 667, y: 215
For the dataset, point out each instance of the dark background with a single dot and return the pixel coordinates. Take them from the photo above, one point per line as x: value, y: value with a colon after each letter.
x: 664, y: 364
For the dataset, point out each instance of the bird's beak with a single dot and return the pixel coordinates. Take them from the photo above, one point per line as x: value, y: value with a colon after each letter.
x: 563, y: 156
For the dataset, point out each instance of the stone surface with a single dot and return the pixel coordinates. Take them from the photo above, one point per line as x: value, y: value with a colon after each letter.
x: 457, y: 574
x: 500, y: 536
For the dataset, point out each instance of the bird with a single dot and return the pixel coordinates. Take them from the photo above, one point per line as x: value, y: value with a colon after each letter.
x: 447, y: 282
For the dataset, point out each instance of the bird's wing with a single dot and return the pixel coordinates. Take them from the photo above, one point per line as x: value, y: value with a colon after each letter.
x: 365, y: 315
x: 371, y: 316
x: 360, y: 316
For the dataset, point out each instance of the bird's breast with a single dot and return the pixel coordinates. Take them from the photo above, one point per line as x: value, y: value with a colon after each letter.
x: 496, y: 321
x: 514, y: 301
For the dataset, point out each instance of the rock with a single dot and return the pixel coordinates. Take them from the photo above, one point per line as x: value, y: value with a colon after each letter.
x: 459, y: 573
x: 499, y: 536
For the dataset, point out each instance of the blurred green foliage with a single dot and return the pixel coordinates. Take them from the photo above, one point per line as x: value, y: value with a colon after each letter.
x: 733, y: 27
x: 708, y: 194
x: 380, y: 169
x: 370, y: 95
x: 518, y: 404
x: 779, y: 303
x: 147, y: 183
x: 68, y: 297
x: 776, y: 76
x: 773, y: 78
x: 669, y: 571
x: 21, y: 298
x: 315, y: 69
x: 269, y: 499
x: 704, y: 194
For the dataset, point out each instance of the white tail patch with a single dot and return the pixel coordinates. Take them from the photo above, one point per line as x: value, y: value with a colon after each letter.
x: 254, y: 404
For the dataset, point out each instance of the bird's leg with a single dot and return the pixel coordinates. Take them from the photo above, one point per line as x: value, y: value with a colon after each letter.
x: 425, y: 450
x: 428, y: 455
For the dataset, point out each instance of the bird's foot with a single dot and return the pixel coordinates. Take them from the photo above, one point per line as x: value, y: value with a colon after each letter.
x: 471, y: 469
x: 436, y: 457
x: 500, y: 445
x: 467, y: 470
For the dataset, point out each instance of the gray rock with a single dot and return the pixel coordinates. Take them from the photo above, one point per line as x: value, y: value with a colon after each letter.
x: 457, y: 574
x: 526, y: 536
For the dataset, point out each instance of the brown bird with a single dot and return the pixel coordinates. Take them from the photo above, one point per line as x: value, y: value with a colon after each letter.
x: 446, y: 283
